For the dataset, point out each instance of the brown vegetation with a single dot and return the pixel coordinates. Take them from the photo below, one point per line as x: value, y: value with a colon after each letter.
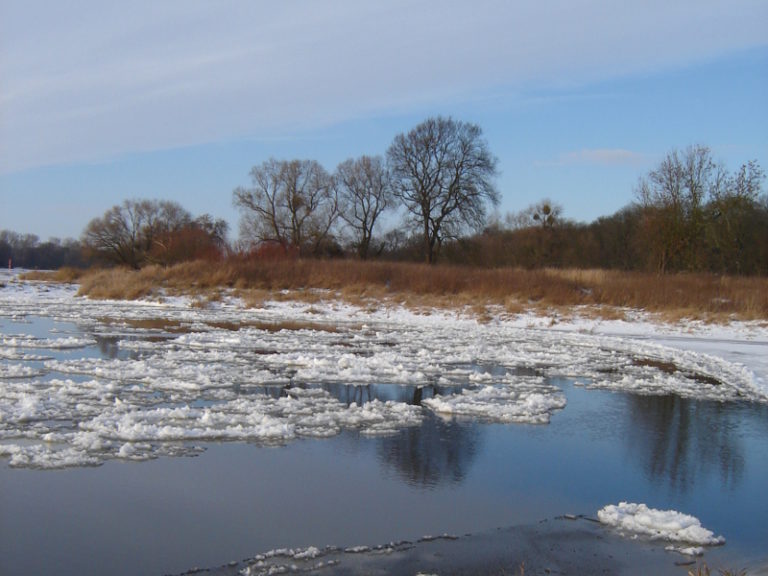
x: 704, y: 570
x: 703, y: 296
x: 64, y: 275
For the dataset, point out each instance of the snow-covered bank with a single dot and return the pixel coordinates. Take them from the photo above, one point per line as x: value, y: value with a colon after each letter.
x: 180, y: 375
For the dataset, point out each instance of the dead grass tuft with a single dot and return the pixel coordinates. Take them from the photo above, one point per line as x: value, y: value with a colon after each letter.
x: 66, y: 275
x: 283, y: 325
x: 703, y: 570
x: 117, y: 284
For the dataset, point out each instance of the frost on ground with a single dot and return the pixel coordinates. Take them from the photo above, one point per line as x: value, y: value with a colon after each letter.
x: 138, y: 380
x: 685, y: 532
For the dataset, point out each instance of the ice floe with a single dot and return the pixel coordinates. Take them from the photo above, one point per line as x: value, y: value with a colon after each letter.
x: 19, y: 371
x: 685, y: 532
x: 26, y: 341
x: 520, y: 401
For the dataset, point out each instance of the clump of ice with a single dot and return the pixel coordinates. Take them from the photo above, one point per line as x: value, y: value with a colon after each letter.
x: 521, y: 402
x: 27, y: 341
x: 19, y: 371
x: 669, y: 525
x: 686, y: 550
x: 290, y: 561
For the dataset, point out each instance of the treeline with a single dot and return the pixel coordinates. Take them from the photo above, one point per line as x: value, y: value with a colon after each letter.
x: 691, y: 214
x: 27, y: 251
x: 437, y: 181
x: 438, y: 177
x: 617, y: 242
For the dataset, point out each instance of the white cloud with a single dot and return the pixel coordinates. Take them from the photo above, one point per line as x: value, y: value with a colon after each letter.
x: 85, y: 80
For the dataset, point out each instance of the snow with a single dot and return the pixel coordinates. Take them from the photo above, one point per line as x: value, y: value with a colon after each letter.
x: 686, y: 550
x: 668, y: 525
x: 18, y: 371
x: 515, y: 402
x: 24, y: 341
x: 181, y: 379
x: 290, y: 561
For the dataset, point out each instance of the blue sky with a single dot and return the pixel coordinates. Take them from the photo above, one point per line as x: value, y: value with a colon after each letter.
x: 100, y: 102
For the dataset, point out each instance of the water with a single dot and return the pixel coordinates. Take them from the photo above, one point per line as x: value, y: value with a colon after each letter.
x: 236, y: 499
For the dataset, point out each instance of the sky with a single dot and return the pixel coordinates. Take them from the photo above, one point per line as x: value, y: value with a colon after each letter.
x: 106, y: 101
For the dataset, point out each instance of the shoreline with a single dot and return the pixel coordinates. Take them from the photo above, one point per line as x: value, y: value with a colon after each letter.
x: 561, y: 545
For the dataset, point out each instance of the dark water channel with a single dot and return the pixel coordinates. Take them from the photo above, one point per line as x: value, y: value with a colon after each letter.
x: 235, y: 500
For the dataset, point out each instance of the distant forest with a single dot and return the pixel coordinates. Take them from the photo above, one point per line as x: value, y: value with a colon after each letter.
x: 690, y: 215
x: 27, y: 251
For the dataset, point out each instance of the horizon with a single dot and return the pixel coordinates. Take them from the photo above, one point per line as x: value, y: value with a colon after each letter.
x: 577, y: 100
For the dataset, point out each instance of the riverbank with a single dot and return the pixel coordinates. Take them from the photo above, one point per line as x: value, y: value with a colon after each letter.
x: 608, y: 293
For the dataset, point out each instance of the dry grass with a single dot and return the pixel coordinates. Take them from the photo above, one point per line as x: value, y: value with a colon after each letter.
x: 710, y: 297
x: 703, y: 570
x: 65, y: 275
x: 283, y: 325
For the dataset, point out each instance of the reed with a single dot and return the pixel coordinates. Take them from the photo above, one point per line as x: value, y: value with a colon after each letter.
x: 703, y: 296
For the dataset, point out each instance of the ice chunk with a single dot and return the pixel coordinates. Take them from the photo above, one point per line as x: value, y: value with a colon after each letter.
x: 686, y: 550
x: 666, y: 525
x: 507, y: 403
x: 19, y: 371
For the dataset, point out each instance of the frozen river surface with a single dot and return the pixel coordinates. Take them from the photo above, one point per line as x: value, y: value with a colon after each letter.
x: 322, y: 423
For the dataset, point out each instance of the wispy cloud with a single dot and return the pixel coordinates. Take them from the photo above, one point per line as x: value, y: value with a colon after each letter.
x: 599, y: 156
x: 87, y: 79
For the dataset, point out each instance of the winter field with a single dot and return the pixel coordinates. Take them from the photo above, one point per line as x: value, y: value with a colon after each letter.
x: 89, y: 385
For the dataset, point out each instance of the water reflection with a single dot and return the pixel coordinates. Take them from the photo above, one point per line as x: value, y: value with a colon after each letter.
x: 364, y: 393
x: 108, y: 346
x: 437, y: 452
x: 682, y: 442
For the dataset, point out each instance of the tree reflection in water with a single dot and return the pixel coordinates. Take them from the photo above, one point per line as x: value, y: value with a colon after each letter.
x: 437, y: 452
x: 684, y: 441
x: 108, y: 346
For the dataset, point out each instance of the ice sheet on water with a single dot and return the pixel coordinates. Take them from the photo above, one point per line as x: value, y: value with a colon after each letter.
x: 273, y: 378
x: 522, y: 400
x: 108, y: 427
x: 19, y: 371
x: 684, y: 531
x: 26, y: 341
x: 17, y: 354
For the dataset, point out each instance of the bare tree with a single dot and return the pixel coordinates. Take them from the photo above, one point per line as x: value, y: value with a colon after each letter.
x: 673, y: 196
x: 443, y: 173
x: 364, y: 194
x: 545, y: 213
x: 138, y: 232
x: 292, y: 202
x: 119, y: 235
x: 734, y: 227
